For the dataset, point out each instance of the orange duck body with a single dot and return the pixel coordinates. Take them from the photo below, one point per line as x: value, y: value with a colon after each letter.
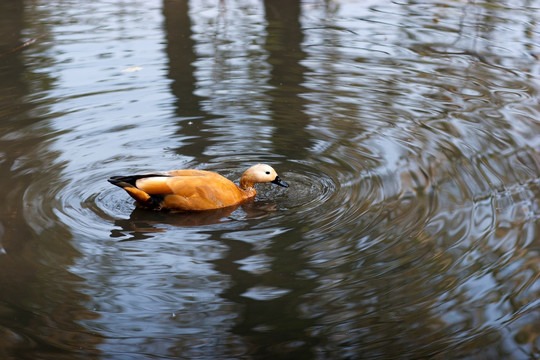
x: 194, y: 190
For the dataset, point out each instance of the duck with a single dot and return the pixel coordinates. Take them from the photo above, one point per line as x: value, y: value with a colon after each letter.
x: 194, y: 190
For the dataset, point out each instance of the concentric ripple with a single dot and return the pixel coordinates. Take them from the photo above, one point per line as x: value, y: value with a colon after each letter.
x: 407, y: 131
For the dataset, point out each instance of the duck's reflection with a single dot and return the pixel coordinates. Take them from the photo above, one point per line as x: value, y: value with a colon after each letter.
x: 142, y: 223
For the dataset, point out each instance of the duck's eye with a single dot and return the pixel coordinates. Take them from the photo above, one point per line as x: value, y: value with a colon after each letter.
x: 268, y: 173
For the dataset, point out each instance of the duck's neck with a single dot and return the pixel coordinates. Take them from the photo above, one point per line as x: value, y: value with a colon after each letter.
x: 245, y: 184
x: 247, y: 187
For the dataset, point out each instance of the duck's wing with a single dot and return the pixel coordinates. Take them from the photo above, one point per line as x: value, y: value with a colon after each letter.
x: 201, y: 193
x: 154, y: 185
x: 181, y: 182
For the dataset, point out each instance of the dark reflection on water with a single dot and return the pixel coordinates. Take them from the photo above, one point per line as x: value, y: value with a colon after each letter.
x: 181, y: 55
x: 284, y: 38
x: 39, y: 318
x: 407, y: 131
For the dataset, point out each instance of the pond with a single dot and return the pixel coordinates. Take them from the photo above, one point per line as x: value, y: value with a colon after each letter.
x: 408, y: 132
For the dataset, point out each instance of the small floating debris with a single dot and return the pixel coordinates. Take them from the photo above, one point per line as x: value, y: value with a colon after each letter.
x: 132, y: 69
x: 265, y: 293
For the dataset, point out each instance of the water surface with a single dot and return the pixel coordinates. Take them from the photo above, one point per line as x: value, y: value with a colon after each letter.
x: 408, y: 132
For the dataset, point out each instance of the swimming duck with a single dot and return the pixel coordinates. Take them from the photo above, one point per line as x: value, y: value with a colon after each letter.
x: 194, y: 190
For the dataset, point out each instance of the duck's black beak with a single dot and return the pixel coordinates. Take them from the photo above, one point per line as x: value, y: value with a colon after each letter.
x: 279, y: 182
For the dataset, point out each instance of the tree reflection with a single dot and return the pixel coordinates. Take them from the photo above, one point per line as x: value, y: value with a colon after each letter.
x: 269, y: 320
x: 284, y: 38
x: 192, y: 126
x: 42, y: 304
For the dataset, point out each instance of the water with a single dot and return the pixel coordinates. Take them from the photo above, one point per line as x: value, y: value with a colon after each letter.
x: 408, y: 132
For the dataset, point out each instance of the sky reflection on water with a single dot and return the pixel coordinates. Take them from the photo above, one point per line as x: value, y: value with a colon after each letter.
x: 408, y: 132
